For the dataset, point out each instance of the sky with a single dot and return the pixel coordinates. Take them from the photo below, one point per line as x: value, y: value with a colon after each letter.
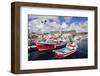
x: 54, y: 23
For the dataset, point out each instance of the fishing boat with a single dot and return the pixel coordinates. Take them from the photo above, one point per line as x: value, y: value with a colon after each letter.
x: 44, y: 46
x: 64, y: 52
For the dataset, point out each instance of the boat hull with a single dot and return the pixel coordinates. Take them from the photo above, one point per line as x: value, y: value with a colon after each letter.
x: 47, y: 47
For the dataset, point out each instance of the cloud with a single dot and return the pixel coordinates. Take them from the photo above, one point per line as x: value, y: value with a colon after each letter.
x: 37, y: 26
x: 79, y: 27
x: 84, y: 26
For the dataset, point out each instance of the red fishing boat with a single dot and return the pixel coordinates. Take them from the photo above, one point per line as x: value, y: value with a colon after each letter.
x: 64, y: 52
x: 44, y: 46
